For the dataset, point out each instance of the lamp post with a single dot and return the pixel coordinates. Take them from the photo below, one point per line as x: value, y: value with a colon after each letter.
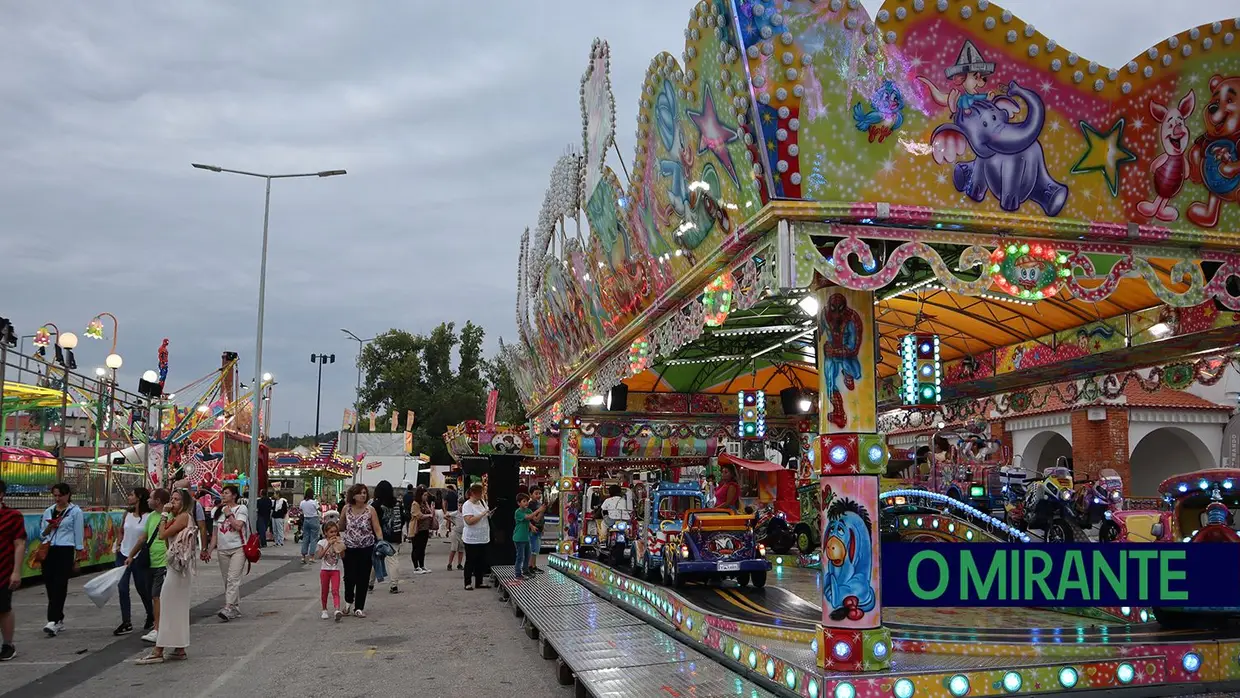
x: 320, y: 359
x: 262, y: 293
x: 66, y: 341
x: 358, y: 405
x: 269, y: 383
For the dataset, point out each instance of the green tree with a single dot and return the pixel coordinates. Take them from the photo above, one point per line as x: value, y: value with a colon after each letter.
x: 403, y: 371
x: 499, y: 377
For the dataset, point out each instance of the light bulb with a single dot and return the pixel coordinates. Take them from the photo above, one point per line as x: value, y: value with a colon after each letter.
x: 100, y: 371
x: 114, y: 361
x: 150, y: 377
x: 66, y: 340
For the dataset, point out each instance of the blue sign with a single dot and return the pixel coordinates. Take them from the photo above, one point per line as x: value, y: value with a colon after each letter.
x: 1196, y: 575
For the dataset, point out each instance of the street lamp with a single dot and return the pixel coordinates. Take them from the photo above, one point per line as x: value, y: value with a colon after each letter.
x: 42, y: 338
x: 320, y: 359
x: 262, y: 293
x: 360, y: 343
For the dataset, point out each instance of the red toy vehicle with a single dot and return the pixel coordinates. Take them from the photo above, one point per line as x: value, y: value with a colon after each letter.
x: 770, y: 490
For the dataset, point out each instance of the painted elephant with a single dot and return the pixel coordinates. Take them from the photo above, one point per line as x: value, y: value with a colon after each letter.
x: 1009, y: 163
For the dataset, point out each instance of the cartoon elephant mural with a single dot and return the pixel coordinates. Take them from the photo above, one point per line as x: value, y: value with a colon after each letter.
x: 1010, y: 163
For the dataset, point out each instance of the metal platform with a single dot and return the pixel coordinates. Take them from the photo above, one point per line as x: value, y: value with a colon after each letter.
x: 606, y: 650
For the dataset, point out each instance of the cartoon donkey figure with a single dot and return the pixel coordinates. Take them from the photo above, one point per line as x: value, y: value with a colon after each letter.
x: 846, y: 582
x: 1010, y: 163
x: 1171, y: 168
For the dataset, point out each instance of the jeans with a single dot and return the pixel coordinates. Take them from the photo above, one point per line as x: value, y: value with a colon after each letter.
x: 231, y: 564
x: 357, y: 563
x: 139, y: 584
x: 380, y: 567
x: 57, y: 568
x: 418, y: 555
x: 523, y: 557
x: 475, y: 562
x: 277, y: 529
x: 264, y: 523
x: 309, y: 536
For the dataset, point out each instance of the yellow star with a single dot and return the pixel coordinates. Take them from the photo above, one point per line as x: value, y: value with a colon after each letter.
x: 1105, y: 153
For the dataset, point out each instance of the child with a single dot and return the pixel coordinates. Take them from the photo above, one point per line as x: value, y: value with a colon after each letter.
x: 521, y: 533
x: 329, y: 551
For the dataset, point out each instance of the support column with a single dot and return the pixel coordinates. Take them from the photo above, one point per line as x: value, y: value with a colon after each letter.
x: 850, y: 456
x: 570, y: 485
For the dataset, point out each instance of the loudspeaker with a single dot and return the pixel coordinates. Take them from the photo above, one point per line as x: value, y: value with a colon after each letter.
x: 476, y: 466
x: 788, y: 399
x: 618, y: 398
x: 502, y: 496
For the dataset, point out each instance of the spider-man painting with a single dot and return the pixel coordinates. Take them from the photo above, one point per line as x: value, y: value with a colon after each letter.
x: 842, y: 332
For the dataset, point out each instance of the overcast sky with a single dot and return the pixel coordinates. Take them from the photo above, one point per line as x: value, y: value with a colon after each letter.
x: 447, y: 118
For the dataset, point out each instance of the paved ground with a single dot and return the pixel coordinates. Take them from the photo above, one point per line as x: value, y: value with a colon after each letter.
x: 433, y: 637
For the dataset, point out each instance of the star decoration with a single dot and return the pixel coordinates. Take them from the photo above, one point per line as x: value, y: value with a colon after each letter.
x: 1105, y: 153
x: 715, y: 137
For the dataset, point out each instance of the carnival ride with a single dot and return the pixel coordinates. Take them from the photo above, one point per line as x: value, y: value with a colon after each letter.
x: 818, y: 210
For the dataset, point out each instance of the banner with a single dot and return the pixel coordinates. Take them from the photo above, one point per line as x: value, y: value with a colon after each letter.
x: 155, y: 464
x: 395, y: 421
x: 350, y: 418
x: 408, y: 442
x: 1192, y: 575
x: 373, y: 416
x: 409, y: 421
x: 492, y: 406
x: 1231, y: 443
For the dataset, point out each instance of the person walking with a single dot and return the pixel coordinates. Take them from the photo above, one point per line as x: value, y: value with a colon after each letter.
x: 328, y: 551
x: 12, y: 553
x: 476, y: 537
x: 180, y: 534
x: 309, y: 526
x: 420, y: 526
x: 149, y: 564
x: 262, y: 509
x: 361, y: 532
x: 389, y: 511
x: 61, y: 539
x: 133, y: 539
x: 231, y: 522
x: 279, y: 518
x: 456, y: 546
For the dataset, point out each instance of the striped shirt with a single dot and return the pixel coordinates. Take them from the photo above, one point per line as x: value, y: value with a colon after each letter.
x: 12, y: 529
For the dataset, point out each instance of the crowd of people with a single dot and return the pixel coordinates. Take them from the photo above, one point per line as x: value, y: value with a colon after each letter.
x: 167, y: 533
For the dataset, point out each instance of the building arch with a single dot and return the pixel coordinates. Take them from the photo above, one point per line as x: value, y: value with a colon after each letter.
x: 1044, y: 450
x: 1164, y: 452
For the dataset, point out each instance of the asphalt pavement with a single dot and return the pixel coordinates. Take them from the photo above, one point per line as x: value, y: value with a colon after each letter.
x: 433, y: 637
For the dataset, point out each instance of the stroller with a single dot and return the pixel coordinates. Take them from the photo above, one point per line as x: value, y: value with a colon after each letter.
x: 294, y: 517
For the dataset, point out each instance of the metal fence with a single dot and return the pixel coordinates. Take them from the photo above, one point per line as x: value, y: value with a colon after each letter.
x: 93, y: 486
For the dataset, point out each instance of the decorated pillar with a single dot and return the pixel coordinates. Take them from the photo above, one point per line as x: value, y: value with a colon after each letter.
x: 570, y: 484
x: 850, y: 456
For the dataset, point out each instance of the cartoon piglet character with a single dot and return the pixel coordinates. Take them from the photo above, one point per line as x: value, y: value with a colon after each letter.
x: 1171, y: 168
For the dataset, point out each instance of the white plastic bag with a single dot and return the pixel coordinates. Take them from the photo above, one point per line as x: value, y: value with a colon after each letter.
x: 101, y: 587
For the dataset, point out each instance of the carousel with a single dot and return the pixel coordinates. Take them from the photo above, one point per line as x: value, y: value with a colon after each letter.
x: 836, y: 226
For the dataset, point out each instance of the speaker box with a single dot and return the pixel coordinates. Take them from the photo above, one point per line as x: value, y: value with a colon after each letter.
x: 788, y: 399
x: 618, y: 398
x: 502, y: 496
x: 476, y: 466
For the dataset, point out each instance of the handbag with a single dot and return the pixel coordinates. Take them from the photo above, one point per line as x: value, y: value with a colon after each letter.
x: 143, y: 558
x: 52, y: 524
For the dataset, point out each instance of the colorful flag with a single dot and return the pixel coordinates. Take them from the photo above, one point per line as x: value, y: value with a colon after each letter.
x: 395, y: 421
x: 372, y: 421
x: 350, y: 418
x: 492, y: 406
x: 409, y: 421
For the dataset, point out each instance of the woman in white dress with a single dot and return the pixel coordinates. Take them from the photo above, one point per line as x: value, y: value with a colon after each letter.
x: 174, y: 600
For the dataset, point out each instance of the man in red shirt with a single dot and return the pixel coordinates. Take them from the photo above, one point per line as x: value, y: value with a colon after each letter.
x: 12, y: 552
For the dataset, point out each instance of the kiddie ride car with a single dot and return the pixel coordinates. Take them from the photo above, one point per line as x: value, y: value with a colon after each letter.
x: 595, y: 540
x: 1201, y: 509
x: 715, y: 544
x: 660, y: 518
x: 1049, y: 506
x: 776, y: 508
x: 1097, y: 503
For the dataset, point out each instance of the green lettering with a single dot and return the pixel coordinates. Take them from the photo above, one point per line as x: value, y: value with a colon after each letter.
x: 1102, y: 568
x: 970, y: 576
x: 1143, y: 558
x: 1072, y: 576
x: 1015, y: 576
x: 944, y: 577
x: 1038, y: 577
x: 1167, y: 575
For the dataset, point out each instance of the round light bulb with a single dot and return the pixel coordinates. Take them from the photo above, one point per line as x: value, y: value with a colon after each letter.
x: 150, y: 377
x: 267, y: 377
x: 100, y: 371
x: 114, y: 361
x: 66, y: 340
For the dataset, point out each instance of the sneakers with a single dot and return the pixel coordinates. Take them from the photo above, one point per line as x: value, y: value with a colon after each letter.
x: 7, y: 652
x: 54, y: 629
x: 228, y: 613
x: 393, y: 590
x: 449, y: 567
x: 419, y: 570
x: 348, y: 609
x: 338, y: 615
x: 359, y: 613
x: 324, y: 615
x: 151, y: 637
x: 425, y: 571
x: 123, y: 629
x: 459, y: 566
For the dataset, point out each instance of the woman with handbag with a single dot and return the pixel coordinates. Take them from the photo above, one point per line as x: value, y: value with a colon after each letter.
x: 59, y: 543
x: 421, y: 518
x: 180, y: 534
x: 132, y: 541
x: 231, y: 522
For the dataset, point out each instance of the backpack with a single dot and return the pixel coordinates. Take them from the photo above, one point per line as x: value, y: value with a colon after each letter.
x: 390, y: 520
x: 182, y: 548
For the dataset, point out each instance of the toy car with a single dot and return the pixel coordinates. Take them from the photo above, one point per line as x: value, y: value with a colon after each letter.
x: 715, y: 543
x: 660, y: 518
x: 592, y: 535
x: 1097, y: 502
x: 775, y: 506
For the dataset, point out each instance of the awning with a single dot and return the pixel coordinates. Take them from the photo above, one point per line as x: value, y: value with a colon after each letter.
x: 765, y: 466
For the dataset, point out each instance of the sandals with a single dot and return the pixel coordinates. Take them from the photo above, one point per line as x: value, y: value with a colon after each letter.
x: 178, y: 656
x: 151, y: 659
